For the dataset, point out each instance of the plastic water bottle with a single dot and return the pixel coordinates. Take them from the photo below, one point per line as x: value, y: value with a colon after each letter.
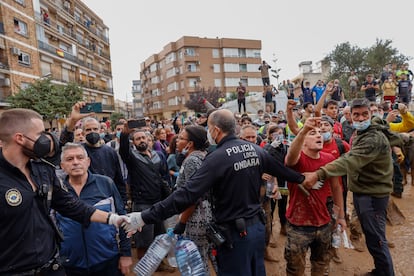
x: 189, y: 259
x: 157, y: 251
x: 269, y: 187
x: 172, y: 261
x: 336, y: 237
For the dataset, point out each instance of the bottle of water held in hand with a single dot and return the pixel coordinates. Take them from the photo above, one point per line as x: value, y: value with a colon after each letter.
x: 189, y: 259
x: 269, y: 187
x: 336, y: 237
x: 157, y: 251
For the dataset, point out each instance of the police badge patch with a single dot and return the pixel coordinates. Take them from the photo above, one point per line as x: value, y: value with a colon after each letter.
x: 13, y: 197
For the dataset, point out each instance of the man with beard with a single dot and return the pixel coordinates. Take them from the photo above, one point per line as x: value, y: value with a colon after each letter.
x: 146, y: 171
x: 29, y: 188
x: 104, y: 160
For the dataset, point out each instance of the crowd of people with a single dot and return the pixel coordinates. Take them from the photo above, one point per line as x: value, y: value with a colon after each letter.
x: 213, y: 171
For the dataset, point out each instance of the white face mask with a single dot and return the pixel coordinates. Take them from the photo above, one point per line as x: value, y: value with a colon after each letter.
x: 210, y: 139
x: 360, y: 126
x: 326, y: 136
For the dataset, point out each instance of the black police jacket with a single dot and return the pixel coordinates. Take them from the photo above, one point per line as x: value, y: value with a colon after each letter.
x: 233, y: 172
x: 28, y: 239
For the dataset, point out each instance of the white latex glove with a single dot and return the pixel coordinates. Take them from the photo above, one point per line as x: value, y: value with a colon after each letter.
x: 275, y: 143
x: 117, y: 220
x: 317, y: 185
x: 134, y: 224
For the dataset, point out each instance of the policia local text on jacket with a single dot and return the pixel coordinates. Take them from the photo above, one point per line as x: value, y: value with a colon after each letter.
x: 231, y: 171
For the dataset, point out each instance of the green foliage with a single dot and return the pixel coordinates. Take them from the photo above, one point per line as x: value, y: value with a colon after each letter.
x: 49, y: 100
x: 114, y: 118
x: 196, y: 101
x: 275, y: 70
x: 346, y: 58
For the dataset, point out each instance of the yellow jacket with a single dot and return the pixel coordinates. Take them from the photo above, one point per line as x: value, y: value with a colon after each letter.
x: 406, y: 124
x: 389, y: 88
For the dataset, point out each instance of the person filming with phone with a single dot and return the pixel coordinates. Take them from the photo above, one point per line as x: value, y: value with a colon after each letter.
x: 104, y: 159
x: 146, y: 174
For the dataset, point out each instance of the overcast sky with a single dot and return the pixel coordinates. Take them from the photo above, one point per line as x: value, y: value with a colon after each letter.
x: 294, y: 31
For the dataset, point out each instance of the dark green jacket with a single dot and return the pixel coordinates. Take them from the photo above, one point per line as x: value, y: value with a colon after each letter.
x: 368, y: 164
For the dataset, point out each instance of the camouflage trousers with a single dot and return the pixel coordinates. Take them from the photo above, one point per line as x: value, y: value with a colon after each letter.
x: 302, y: 238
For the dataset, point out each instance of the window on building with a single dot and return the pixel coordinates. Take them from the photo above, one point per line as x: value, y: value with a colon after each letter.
x: 217, y: 83
x: 157, y: 105
x: 172, y: 86
x: 189, y: 52
x: 216, y: 68
x: 89, y: 63
x: 230, y: 52
x: 191, y: 67
x: 192, y: 82
x: 255, y: 82
x: 60, y: 29
x: 153, y: 67
x: 253, y: 53
x: 244, y: 81
x: 252, y: 67
x: 40, y: 33
x: 24, y: 58
x: 216, y: 53
x: 21, y: 2
x: 243, y: 67
x: 24, y: 85
x: 45, y: 68
x: 79, y: 37
x: 20, y: 27
x: 155, y: 79
x: 65, y: 75
x: 242, y: 52
x: 231, y: 67
x: 170, y: 58
x: 231, y: 81
x: 77, y: 16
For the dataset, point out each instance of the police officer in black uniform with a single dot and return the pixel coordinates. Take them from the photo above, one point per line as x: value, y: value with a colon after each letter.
x: 29, y: 188
x: 233, y: 173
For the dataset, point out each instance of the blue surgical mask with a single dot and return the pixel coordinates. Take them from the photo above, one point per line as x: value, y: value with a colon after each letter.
x: 101, y: 135
x: 326, y: 136
x: 118, y: 134
x: 360, y: 126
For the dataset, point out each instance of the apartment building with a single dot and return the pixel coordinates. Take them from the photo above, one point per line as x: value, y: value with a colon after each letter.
x: 137, y: 101
x: 191, y: 63
x: 60, y: 39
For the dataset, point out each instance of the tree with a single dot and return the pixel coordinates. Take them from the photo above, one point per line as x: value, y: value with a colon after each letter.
x: 275, y: 71
x: 346, y: 58
x: 196, y: 101
x: 49, y: 100
x: 114, y: 118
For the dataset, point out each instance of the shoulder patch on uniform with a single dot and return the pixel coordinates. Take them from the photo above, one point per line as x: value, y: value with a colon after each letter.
x: 13, y: 197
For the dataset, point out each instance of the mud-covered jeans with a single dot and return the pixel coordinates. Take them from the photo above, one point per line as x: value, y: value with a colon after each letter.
x: 299, y: 240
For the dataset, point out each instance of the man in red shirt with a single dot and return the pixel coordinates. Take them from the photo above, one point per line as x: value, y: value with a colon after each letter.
x: 336, y: 147
x: 309, y: 221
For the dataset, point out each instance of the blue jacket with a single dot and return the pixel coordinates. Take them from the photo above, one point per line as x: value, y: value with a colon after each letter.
x: 85, y: 247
